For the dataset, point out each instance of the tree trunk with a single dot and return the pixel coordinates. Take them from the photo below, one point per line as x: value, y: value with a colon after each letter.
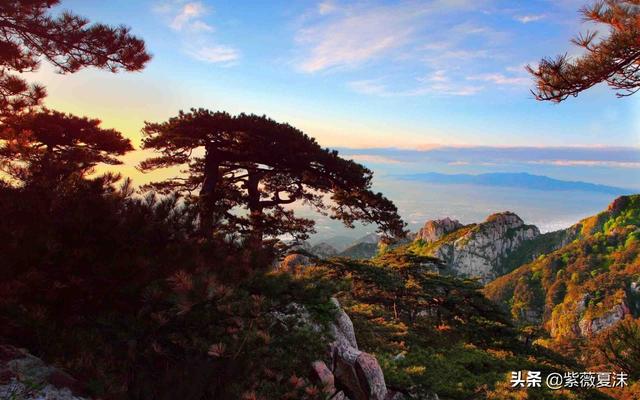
x: 255, y: 209
x: 207, y: 200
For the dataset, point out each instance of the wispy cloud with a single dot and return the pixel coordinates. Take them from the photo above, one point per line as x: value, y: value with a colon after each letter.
x: 188, y: 19
x: 374, y: 159
x: 590, y: 163
x: 437, y: 83
x: 525, y: 19
x: 216, y: 54
x: 501, y: 79
x: 576, y: 156
x: 327, y: 7
x: 369, y: 86
x: 346, y: 36
x: 352, y: 37
x: 435, y: 48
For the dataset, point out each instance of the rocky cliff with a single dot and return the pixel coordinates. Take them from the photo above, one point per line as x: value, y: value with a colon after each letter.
x: 585, y: 287
x: 476, y: 250
x: 433, y: 230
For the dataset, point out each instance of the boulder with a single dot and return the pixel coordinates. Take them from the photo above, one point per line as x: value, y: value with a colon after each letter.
x: 25, y: 377
x: 342, y: 329
x: 591, y: 326
x: 371, y: 377
x: 323, y: 375
x: 351, y: 374
x: 356, y: 373
x: 391, y: 395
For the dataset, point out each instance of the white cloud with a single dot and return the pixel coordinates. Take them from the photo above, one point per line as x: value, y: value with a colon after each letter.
x: 216, y: 54
x: 520, y: 68
x: 574, y: 156
x: 590, y: 163
x: 448, y: 89
x: 368, y: 87
x: 438, y: 76
x: 437, y: 83
x: 351, y: 36
x: 353, y: 40
x: 525, y: 19
x: 187, y: 18
x: 327, y: 7
x: 446, y: 37
x: 501, y: 79
x: 372, y: 158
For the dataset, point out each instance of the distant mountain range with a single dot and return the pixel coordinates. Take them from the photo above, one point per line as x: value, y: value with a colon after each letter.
x: 343, y: 246
x: 515, y: 180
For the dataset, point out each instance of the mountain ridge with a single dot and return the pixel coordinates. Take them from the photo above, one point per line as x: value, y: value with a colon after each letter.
x: 586, y: 286
x: 518, y: 179
x: 484, y: 250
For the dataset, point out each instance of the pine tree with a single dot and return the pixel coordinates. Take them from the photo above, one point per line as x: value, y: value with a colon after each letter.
x: 28, y: 33
x: 258, y: 165
x: 49, y: 146
x: 614, y: 58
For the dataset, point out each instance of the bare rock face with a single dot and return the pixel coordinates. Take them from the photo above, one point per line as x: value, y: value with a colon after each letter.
x: 358, y: 374
x: 435, y: 229
x: 634, y: 299
x: 324, y: 376
x: 343, y: 331
x: 592, y: 326
x: 479, y: 250
x: 354, y: 374
x: 25, y: 377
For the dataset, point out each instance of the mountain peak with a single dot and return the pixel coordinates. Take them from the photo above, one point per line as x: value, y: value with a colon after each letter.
x: 435, y: 229
x: 624, y: 202
x: 508, y: 218
x: 476, y: 250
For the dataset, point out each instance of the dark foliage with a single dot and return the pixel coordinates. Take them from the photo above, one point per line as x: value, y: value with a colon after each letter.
x: 119, y: 290
x: 259, y: 166
x: 47, y: 147
x: 28, y: 33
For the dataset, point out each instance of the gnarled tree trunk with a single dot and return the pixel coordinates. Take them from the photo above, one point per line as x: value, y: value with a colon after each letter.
x: 208, y: 198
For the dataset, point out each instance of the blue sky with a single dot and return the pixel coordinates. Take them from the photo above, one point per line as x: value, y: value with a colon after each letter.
x: 382, y: 73
x: 408, y: 86
x: 373, y: 74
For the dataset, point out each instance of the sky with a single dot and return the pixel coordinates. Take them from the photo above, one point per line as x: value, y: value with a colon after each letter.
x: 419, y: 86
